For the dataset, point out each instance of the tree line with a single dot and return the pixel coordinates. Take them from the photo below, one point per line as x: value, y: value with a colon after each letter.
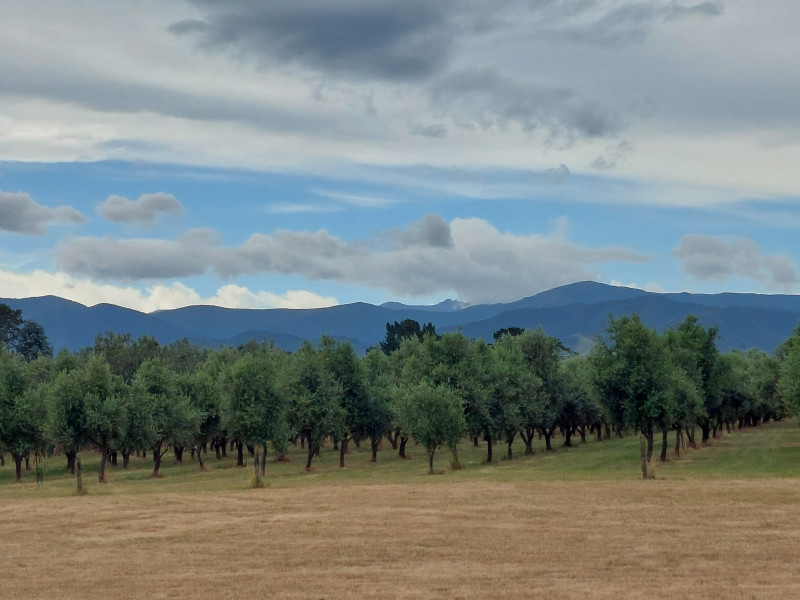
x: 123, y: 396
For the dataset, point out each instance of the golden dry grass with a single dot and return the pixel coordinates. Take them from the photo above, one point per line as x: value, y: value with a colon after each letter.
x: 439, y: 539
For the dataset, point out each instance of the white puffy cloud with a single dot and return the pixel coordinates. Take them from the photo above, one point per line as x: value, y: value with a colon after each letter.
x: 709, y: 258
x: 469, y: 257
x: 142, y: 211
x: 152, y: 297
x: 19, y: 213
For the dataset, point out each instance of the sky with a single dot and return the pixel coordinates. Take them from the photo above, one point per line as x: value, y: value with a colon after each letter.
x: 260, y: 154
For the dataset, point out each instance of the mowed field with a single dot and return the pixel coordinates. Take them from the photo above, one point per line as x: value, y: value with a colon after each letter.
x: 720, y: 522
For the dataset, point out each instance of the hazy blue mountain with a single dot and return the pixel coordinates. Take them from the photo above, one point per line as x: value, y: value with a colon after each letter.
x: 73, y: 326
x: 573, y: 313
x: 443, y: 306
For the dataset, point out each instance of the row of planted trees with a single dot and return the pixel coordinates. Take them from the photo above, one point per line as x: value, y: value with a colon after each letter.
x: 123, y: 397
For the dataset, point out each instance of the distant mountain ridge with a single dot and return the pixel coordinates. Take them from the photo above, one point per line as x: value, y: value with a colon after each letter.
x: 573, y: 313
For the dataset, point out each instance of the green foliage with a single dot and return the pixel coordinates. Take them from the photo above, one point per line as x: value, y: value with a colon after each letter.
x: 316, y: 410
x: 432, y: 415
x: 172, y: 419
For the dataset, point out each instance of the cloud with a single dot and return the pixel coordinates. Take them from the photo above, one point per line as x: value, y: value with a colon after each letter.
x: 615, y: 22
x: 138, y: 259
x: 557, y: 174
x: 142, y: 211
x: 468, y: 257
x: 350, y: 38
x: 154, y: 297
x: 482, y: 98
x: 19, y: 213
x: 432, y: 231
x: 709, y: 258
x: 432, y: 130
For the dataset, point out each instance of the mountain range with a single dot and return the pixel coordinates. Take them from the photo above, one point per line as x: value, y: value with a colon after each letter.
x: 573, y: 313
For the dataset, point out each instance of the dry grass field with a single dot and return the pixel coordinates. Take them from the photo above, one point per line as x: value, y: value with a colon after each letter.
x: 511, y: 530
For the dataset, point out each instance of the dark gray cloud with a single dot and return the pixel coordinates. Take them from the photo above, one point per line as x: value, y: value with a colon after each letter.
x: 381, y: 39
x: 483, y: 99
x: 19, y: 213
x: 432, y: 231
x: 466, y: 256
x: 709, y: 258
x: 142, y: 211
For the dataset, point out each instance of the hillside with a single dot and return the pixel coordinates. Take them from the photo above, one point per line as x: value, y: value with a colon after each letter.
x: 573, y: 313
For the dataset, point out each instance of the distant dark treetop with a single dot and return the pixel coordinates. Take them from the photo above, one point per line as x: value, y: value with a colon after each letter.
x: 25, y: 337
x: 409, y: 328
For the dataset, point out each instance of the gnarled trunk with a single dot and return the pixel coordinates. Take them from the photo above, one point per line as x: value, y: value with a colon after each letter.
x: 374, y: 446
x: 17, y: 465
x: 126, y: 458
x: 527, y: 437
x: 664, y: 444
x: 403, y: 441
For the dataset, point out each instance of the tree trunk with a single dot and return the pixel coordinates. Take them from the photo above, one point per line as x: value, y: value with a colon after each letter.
x: 509, y: 442
x: 664, y: 444
x: 705, y: 427
x: 104, y: 455
x: 223, y: 443
x: 393, y: 436
x: 263, y: 469
x: 239, y: 453
x: 217, y: 450
x: 649, y: 436
x: 582, y: 433
x: 678, y: 440
x: 71, y: 461
x: 27, y: 461
x: 199, y: 453
x: 343, y: 451
x: 455, y: 464
x: 547, y: 444
x: 310, y: 455
x: 607, y: 431
x: 643, y: 455
x: 18, y: 465
x: 374, y: 446
x: 178, y: 452
x: 690, y: 437
x: 126, y: 458
x: 256, y: 464
x: 488, y: 439
x: 568, y: 437
x: 79, y: 475
x: 402, y: 452
x: 156, y: 459
x: 430, y: 460
x: 598, y: 432
x: 527, y: 437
